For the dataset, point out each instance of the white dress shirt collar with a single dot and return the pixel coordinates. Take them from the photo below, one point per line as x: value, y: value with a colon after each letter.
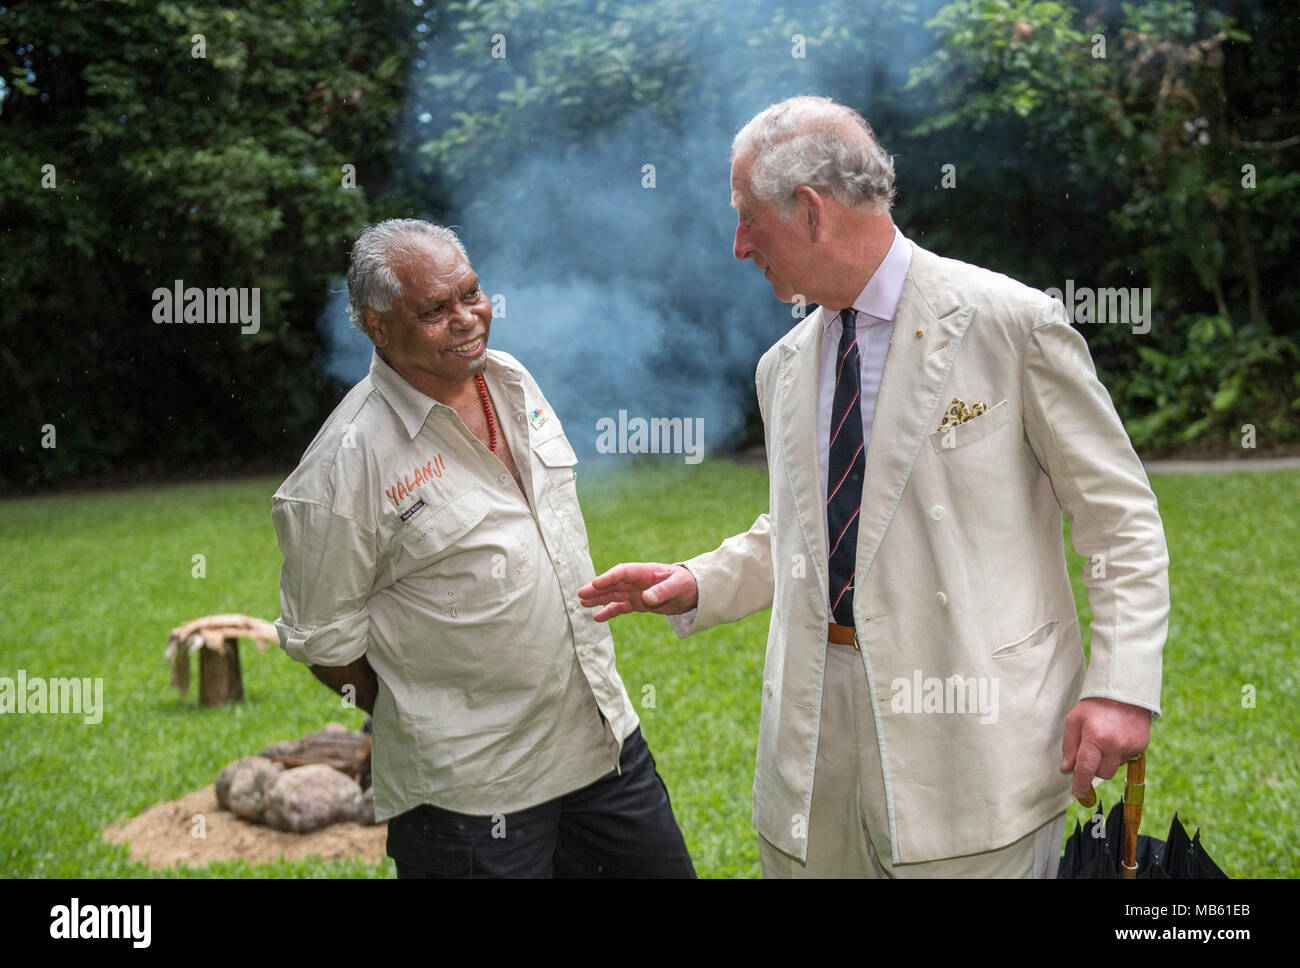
x: 879, y: 297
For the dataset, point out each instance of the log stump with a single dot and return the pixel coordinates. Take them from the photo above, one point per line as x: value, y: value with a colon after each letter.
x: 220, y: 679
x: 216, y: 639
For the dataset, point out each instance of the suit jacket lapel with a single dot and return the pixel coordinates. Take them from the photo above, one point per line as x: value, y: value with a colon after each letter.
x: 796, y: 402
x: 911, y: 387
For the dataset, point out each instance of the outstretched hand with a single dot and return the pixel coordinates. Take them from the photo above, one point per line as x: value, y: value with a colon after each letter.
x: 641, y: 587
x: 1100, y: 735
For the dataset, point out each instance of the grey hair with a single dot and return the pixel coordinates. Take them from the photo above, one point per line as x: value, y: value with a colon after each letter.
x: 817, y: 142
x: 372, y: 283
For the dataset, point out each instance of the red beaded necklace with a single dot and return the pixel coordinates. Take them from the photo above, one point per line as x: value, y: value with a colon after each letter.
x: 487, y: 412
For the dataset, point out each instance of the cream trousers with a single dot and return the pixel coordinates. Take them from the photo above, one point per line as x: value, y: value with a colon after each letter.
x: 848, y: 835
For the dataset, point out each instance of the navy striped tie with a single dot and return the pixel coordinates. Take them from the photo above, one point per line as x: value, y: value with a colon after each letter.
x: 846, y: 462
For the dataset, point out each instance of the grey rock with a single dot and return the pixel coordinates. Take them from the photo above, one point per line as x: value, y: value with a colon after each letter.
x: 310, y: 797
x: 247, y: 781
x: 228, y: 773
x: 223, y: 784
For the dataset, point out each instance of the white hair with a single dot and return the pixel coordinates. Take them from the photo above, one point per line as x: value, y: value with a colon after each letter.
x: 372, y: 282
x: 817, y: 142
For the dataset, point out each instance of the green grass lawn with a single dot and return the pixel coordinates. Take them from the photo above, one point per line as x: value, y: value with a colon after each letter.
x: 91, y: 584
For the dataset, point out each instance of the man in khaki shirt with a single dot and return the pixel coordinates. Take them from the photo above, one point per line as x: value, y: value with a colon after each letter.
x: 434, y: 548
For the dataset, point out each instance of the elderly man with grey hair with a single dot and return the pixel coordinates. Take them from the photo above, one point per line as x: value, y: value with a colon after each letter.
x: 925, y: 689
x: 433, y: 551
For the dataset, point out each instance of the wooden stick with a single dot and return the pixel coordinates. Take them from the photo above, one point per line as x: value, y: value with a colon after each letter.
x: 1134, y: 794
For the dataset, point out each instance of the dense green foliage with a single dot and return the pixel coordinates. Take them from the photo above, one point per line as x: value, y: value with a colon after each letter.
x: 1172, y: 125
x: 96, y: 582
x: 222, y: 171
x: 226, y: 170
x: 580, y: 68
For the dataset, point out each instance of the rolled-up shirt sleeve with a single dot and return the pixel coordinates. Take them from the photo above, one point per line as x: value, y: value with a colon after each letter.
x: 326, y: 581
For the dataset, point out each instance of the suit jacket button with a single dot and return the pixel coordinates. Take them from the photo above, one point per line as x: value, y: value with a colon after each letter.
x: 767, y: 687
x: 936, y: 512
x: 941, y: 598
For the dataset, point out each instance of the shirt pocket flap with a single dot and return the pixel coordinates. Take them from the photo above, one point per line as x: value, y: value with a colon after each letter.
x: 555, y: 452
x: 959, y: 435
x: 438, y: 528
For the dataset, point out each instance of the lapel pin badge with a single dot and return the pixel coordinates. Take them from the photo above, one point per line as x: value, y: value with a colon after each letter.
x: 536, y: 418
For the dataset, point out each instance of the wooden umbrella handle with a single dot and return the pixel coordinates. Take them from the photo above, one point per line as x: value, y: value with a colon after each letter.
x: 1138, y: 777
x: 1134, y: 793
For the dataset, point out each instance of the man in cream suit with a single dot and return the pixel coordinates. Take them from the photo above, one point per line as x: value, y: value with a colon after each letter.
x: 924, y: 692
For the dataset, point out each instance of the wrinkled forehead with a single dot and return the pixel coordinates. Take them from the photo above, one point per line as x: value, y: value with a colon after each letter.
x: 432, y: 265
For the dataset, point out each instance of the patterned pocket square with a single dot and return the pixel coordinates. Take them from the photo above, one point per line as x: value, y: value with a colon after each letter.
x: 959, y: 413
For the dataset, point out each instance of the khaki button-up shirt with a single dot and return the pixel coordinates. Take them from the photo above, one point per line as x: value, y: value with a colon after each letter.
x: 407, y: 541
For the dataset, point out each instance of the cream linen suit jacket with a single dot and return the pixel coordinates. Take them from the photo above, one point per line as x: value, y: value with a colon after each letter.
x: 960, y: 564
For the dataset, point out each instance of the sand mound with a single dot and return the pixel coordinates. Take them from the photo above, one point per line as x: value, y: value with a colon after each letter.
x: 163, y: 837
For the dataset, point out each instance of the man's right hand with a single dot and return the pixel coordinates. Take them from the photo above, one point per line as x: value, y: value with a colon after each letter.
x: 641, y: 587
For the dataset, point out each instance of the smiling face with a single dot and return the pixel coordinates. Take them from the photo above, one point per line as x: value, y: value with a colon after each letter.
x: 778, y: 248
x: 435, y: 335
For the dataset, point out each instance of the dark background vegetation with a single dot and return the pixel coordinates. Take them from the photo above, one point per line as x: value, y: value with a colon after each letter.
x: 226, y: 171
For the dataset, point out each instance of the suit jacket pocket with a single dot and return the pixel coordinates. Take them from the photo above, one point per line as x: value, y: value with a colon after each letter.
x: 1033, y: 640
x: 953, y: 438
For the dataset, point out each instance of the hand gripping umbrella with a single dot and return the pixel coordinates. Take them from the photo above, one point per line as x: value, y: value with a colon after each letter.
x: 1112, y: 849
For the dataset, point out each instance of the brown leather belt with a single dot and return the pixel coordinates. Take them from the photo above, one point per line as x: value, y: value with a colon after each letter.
x: 842, y: 635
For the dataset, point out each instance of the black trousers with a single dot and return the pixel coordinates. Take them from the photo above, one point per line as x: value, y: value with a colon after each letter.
x: 619, y: 826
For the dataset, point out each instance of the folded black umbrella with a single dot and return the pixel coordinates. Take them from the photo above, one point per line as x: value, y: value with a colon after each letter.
x: 1099, y: 853
x: 1098, y: 857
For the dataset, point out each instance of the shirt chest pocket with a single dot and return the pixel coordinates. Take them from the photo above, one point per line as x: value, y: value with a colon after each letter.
x: 469, y: 561
x: 434, y: 530
x: 557, y: 457
x: 557, y: 486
